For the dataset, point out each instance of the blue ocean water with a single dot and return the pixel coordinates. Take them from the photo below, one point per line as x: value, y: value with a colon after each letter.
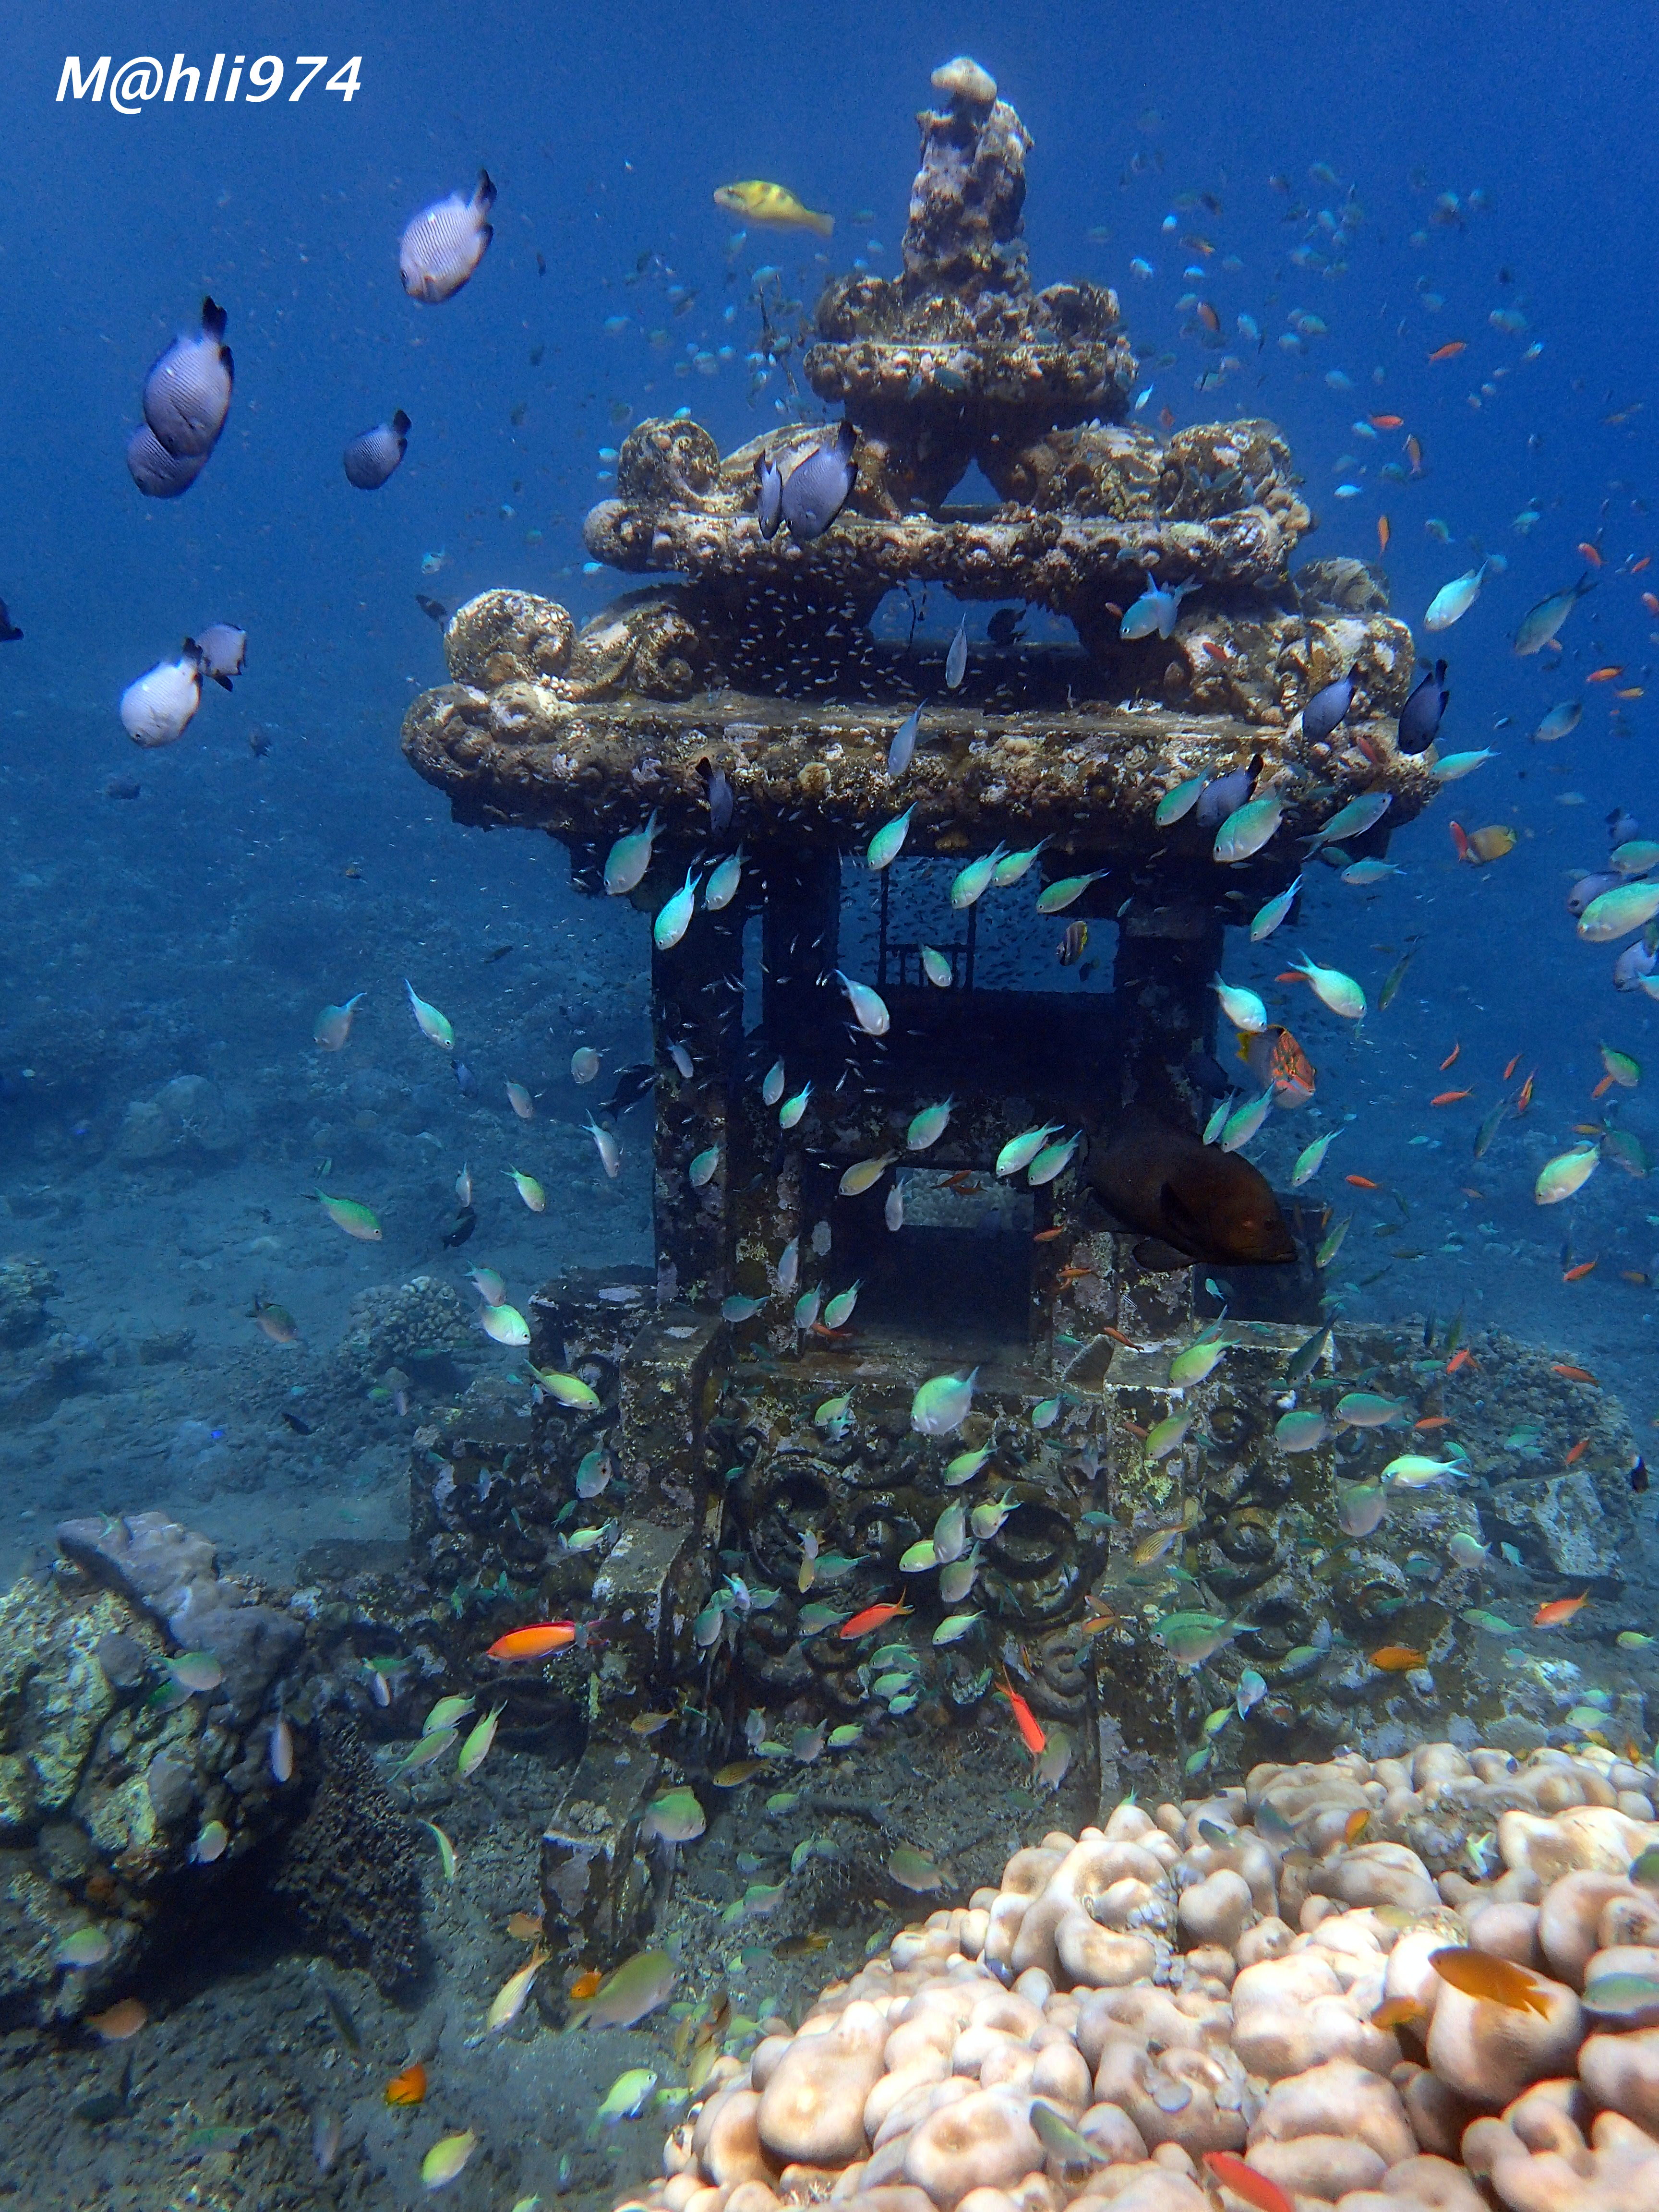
x: 283, y: 856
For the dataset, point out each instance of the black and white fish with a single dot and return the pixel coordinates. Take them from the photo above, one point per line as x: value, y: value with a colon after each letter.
x: 223, y: 651
x: 187, y: 390
x: 371, y: 460
x: 158, y: 473
x: 445, y: 243
x: 157, y: 709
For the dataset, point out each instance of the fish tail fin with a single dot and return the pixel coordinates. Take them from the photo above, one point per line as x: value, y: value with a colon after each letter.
x: 484, y: 198
x: 214, y: 319
x: 400, y: 423
x: 824, y: 225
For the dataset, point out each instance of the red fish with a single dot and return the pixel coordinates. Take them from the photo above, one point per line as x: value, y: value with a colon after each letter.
x: 1030, y: 1730
x: 1450, y: 1057
x: 1433, y: 1421
x: 1606, y: 675
x: 1510, y: 1069
x: 1386, y: 422
x: 1577, y: 1275
x: 541, y: 1638
x: 1461, y: 1358
x: 1591, y: 553
x: 1558, y: 1610
x: 1449, y: 352
x: 873, y: 1618
x: 1573, y: 1373
x: 1523, y: 1098
x: 1579, y: 1451
x: 408, y: 2087
x: 1460, y: 837
x: 1235, y: 2173
x: 1383, y: 533
x: 1449, y: 1097
x: 1650, y: 602
x: 1362, y: 1182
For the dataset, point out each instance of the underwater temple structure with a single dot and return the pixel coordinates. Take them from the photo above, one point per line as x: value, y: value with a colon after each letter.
x: 740, y: 703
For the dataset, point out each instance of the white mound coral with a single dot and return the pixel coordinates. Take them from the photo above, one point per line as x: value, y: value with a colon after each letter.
x: 1234, y: 1978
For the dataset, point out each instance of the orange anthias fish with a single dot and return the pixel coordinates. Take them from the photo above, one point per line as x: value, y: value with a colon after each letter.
x: 1558, y: 1610
x: 1579, y: 1451
x: 1383, y: 533
x: 1498, y: 1981
x: 1461, y: 1358
x: 1449, y: 352
x: 1386, y: 422
x: 1606, y: 675
x: 1577, y: 1275
x: 1362, y: 1182
x: 536, y: 1641
x: 1434, y: 1421
x: 1589, y: 552
x: 1414, y: 455
x: 873, y: 1618
x: 1460, y: 837
x: 1573, y: 1373
x: 408, y: 2087
x: 1510, y: 1069
x: 1235, y: 2173
x: 1650, y: 602
x: 1399, y: 1658
x: 1449, y: 1097
x: 1523, y: 1096
x: 1030, y: 1729
x: 1047, y: 1235
x: 1073, y: 1274
x: 1451, y: 1056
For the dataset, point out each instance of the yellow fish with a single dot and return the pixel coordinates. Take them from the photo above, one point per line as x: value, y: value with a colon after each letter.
x: 772, y: 204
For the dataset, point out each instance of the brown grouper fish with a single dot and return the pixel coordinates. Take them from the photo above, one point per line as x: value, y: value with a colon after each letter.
x: 1199, y: 1204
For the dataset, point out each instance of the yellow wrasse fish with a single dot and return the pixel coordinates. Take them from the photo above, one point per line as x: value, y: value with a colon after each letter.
x: 771, y: 204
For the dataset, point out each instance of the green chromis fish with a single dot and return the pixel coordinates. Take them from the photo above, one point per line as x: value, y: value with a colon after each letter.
x: 927, y: 1126
x: 675, y: 918
x: 1367, y: 1409
x: 567, y: 1390
x: 1190, y: 1639
x: 1240, y: 1126
x: 940, y: 1405
x: 528, y: 1190
x: 1054, y: 899
x: 1052, y: 1161
x: 1452, y: 766
x: 1303, y: 1431
x: 476, y: 1749
x: 1618, y: 911
x: 1540, y: 624
x: 505, y: 1324
x: 334, y: 1025
x: 887, y: 842
x: 1269, y: 916
x: 1566, y: 1173
x: 839, y: 1310
x: 1352, y: 820
x: 346, y: 1214
x: 972, y: 882
x: 936, y: 968
x: 792, y: 1109
x: 1242, y: 1008
x: 722, y: 886
x: 1394, y: 979
x: 1453, y: 601
x: 1166, y: 1435
x: 1019, y: 1151
x: 626, y: 862
x: 1180, y: 801
x: 869, y: 1007
x: 701, y: 1169
x: 1246, y: 831
x: 1009, y: 872
x: 431, y: 1023
x: 863, y: 1175
x: 1193, y: 1363
x: 1306, y: 1357
x: 1337, y: 991
x: 1331, y: 1244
